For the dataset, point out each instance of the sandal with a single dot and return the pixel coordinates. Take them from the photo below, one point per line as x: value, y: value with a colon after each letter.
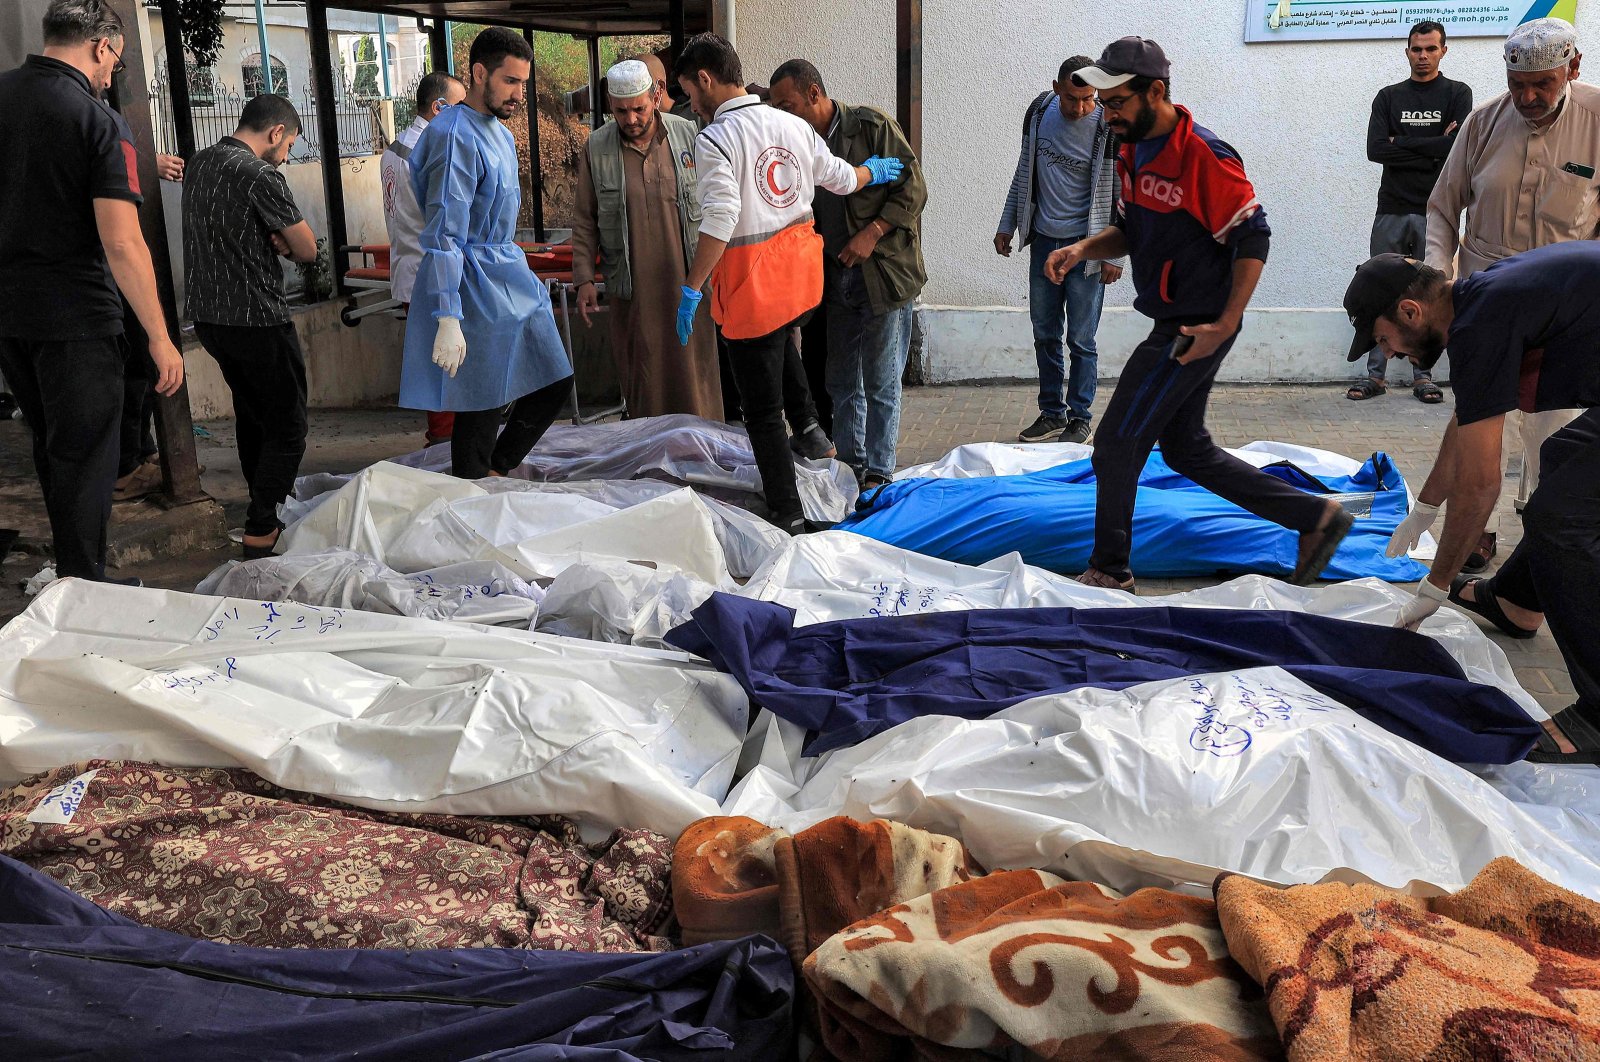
x: 262, y: 552
x: 1096, y: 577
x: 1427, y: 392
x: 1371, y: 387
x: 1484, y: 604
x: 1321, y: 555
x: 1579, y: 726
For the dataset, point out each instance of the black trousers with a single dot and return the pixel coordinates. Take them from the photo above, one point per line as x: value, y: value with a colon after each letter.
x: 71, y: 394
x: 1158, y: 400
x: 474, y: 450
x: 772, y: 383
x: 266, y: 372
x: 139, y: 376
x: 814, y: 356
x: 1555, y: 569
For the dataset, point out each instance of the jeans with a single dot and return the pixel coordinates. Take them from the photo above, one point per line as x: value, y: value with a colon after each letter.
x: 266, y: 371
x: 1158, y: 400
x: 1405, y: 234
x: 475, y: 451
x: 139, y: 377
x: 70, y: 391
x: 772, y: 382
x: 1078, y: 298
x: 866, y: 358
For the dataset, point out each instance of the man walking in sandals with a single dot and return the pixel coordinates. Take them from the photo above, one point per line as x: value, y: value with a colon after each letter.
x: 1523, y: 334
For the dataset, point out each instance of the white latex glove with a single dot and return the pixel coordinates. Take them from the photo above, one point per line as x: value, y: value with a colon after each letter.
x: 1408, y: 535
x: 449, y: 345
x: 1419, y: 608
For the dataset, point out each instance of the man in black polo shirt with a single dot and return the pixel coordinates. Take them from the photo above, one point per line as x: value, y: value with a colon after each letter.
x: 69, y: 239
x: 238, y: 218
x: 1523, y: 334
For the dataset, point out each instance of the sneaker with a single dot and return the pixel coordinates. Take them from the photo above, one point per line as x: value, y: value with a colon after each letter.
x: 813, y: 445
x: 1480, y: 558
x: 1077, y: 431
x: 1045, y: 429
x: 140, y: 483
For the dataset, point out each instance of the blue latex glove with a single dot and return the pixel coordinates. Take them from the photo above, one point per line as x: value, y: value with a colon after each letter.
x: 686, y: 308
x: 884, y: 170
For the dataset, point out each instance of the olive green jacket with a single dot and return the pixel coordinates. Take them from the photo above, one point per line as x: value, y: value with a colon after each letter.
x: 894, y: 274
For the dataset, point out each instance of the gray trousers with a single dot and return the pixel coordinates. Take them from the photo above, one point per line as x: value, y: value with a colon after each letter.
x: 1405, y: 234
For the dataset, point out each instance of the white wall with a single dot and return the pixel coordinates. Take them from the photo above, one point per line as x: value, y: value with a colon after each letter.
x: 1296, y: 112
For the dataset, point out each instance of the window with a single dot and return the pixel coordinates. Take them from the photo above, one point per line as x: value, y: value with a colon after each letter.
x: 255, y: 84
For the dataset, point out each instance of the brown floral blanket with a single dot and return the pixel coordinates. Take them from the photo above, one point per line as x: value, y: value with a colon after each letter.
x: 225, y: 856
x: 1066, y: 970
x: 1507, y: 969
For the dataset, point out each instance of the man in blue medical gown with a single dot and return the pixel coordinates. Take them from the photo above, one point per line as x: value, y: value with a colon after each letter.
x: 480, y: 334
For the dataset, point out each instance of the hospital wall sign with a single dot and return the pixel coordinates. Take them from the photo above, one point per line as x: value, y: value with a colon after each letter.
x: 1332, y: 20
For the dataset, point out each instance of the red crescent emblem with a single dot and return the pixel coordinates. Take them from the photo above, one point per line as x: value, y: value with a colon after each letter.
x: 772, y: 184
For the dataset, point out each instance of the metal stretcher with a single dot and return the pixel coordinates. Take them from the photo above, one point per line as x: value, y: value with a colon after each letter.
x: 551, y: 263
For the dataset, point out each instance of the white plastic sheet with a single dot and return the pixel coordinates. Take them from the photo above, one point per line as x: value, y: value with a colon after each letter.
x: 709, y: 455
x: 1171, y: 782
x: 385, y: 712
x: 469, y: 591
x: 411, y: 518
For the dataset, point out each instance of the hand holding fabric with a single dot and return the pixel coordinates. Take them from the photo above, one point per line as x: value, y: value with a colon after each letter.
x: 1407, y: 536
x: 687, y: 305
x: 883, y: 170
x: 449, y: 345
x: 1419, y: 608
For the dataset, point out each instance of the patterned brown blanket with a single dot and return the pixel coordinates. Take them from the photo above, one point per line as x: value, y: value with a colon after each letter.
x: 225, y: 856
x: 1507, y: 969
x: 1067, y: 970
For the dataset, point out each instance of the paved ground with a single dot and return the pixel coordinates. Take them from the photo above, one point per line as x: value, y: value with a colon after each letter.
x: 934, y: 420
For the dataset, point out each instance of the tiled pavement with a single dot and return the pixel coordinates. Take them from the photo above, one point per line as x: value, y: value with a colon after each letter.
x: 934, y: 420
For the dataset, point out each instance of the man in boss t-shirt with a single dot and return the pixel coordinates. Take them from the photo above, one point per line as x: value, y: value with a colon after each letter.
x: 1410, y: 133
x: 1524, y: 334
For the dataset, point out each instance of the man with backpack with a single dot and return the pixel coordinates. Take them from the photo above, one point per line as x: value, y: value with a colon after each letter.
x: 1063, y: 190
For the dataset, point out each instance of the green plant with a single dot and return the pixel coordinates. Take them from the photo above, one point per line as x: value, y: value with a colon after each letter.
x: 316, y: 276
x: 366, y: 85
x: 202, y: 29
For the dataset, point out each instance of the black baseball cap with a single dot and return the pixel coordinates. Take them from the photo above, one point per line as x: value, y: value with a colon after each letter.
x: 1122, y: 61
x: 1378, y: 284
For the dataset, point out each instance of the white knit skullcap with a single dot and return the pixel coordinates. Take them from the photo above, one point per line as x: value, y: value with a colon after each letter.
x: 629, y: 78
x: 1543, y: 44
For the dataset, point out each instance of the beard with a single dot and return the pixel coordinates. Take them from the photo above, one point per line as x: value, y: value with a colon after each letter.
x: 503, y: 108
x: 1427, y: 346
x: 1139, y: 128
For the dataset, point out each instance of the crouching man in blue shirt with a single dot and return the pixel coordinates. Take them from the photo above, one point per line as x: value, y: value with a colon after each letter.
x: 1523, y: 334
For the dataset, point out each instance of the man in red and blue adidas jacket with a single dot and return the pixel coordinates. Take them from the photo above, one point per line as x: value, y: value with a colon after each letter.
x: 1198, y: 238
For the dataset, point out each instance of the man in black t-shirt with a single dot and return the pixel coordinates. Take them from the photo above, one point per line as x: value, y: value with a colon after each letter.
x: 69, y: 240
x: 238, y: 218
x: 1523, y: 334
x: 1412, y: 127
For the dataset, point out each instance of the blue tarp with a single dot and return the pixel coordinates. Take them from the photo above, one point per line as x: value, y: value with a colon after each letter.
x: 846, y: 680
x: 81, y: 982
x: 1178, y: 527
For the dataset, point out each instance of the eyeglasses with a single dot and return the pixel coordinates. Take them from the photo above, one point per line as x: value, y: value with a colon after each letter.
x: 1116, y: 103
x: 121, y: 66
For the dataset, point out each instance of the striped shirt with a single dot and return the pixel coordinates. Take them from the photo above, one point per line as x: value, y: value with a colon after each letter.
x: 232, y: 202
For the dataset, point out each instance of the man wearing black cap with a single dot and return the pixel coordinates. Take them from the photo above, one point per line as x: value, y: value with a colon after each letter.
x: 1523, y: 334
x: 1198, y: 238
